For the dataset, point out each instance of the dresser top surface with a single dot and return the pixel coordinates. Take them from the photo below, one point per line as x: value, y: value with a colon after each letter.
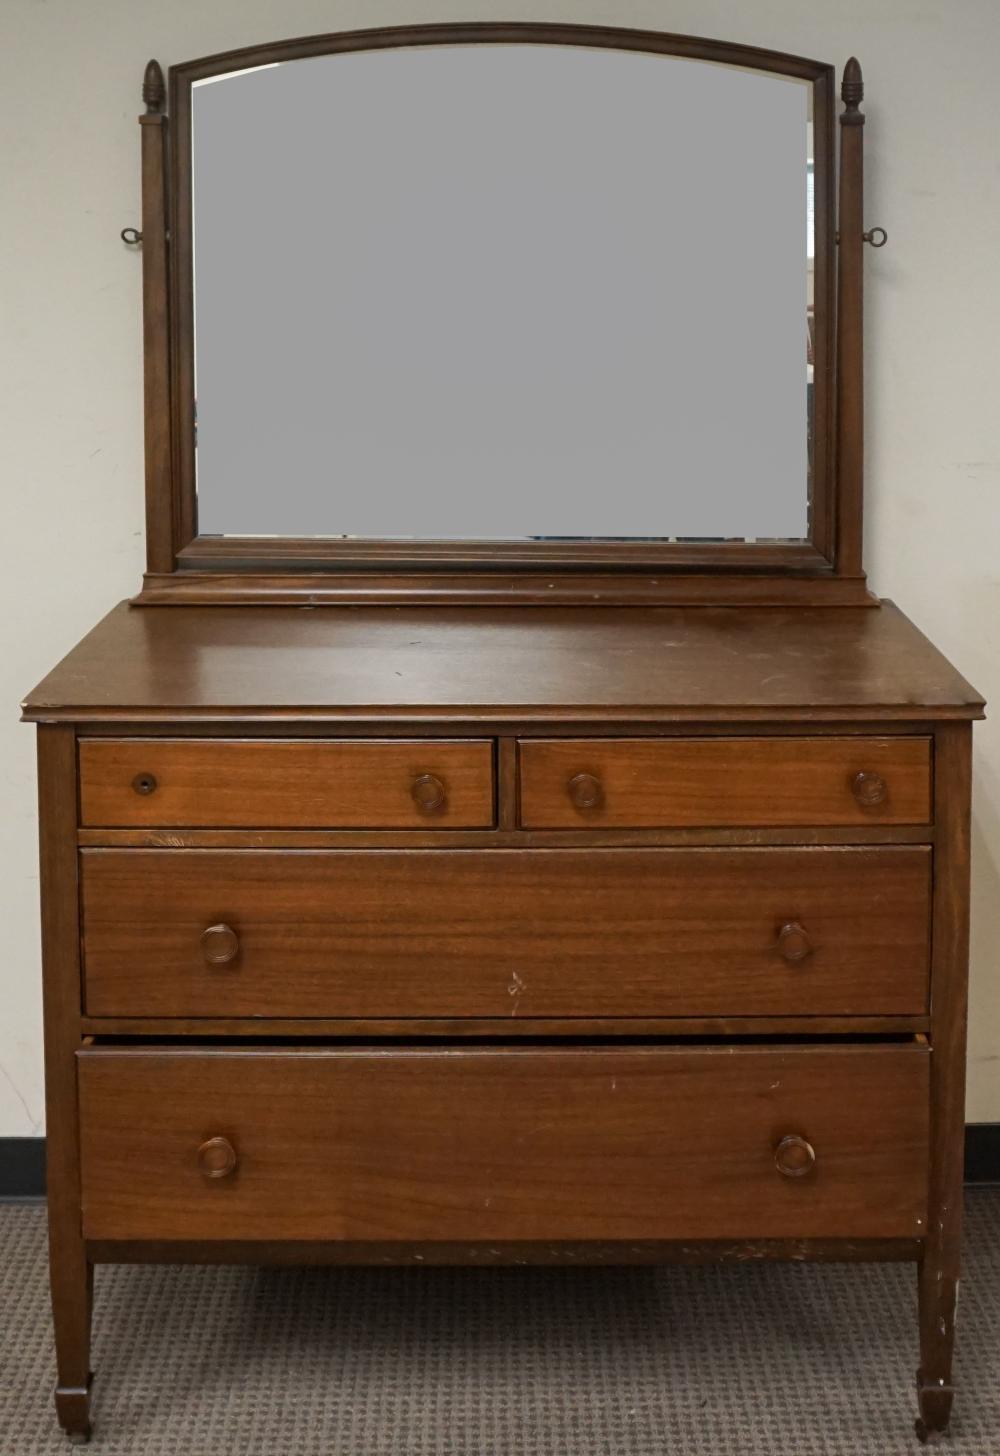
x: 483, y: 664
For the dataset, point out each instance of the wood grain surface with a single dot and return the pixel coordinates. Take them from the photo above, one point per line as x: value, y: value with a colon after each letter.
x: 281, y: 783
x: 150, y: 664
x: 493, y: 933
x: 504, y: 1144
x: 654, y: 783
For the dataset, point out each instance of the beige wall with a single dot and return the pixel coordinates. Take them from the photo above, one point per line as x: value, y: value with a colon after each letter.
x: 70, y: 391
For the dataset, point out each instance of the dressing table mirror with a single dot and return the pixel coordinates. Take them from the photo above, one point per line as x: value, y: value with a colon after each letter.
x: 504, y: 827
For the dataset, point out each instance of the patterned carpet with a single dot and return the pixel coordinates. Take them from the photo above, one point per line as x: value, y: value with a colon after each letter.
x: 777, y: 1360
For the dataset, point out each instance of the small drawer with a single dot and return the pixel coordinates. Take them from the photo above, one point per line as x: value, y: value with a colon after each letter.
x: 491, y: 933
x: 286, y: 783
x: 733, y: 1142
x: 658, y: 783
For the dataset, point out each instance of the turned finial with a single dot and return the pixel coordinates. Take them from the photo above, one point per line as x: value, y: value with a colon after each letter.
x: 852, y: 90
x: 154, y: 92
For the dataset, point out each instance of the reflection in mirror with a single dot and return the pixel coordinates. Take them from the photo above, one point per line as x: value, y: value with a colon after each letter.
x: 503, y: 292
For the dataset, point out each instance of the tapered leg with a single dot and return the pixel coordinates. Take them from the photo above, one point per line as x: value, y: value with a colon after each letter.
x: 72, y: 1281
x: 70, y: 1275
x: 939, y: 1268
x: 938, y: 1293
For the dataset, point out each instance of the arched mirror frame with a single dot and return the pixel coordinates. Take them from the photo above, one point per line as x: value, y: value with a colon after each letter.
x: 185, y: 568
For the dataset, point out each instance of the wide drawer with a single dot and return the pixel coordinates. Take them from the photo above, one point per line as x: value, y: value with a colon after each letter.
x: 540, y: 1143
x: 466, y: 933
x: 724, y: 782
x: 286, y: 783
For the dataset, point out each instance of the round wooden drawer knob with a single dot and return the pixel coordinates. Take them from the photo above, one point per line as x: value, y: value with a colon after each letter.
x: 793, y: 942
x: 869, y: 789
x: 794, y: 1157
x: 144, y: 783
x: 428, y: 793
x: 217, y: 1158
x: 585, y: 791
x: 219, y: 945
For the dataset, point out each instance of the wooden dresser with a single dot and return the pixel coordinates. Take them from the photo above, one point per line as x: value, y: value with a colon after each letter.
x: 489, y: 935
x: 467, y: 895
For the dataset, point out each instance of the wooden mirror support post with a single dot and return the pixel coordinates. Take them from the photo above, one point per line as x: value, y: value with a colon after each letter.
x: 850, y: 324
x: 161, y: 530
x: 553, y: 905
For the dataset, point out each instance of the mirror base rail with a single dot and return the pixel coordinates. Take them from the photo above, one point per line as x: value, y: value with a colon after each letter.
x: 485, y: 588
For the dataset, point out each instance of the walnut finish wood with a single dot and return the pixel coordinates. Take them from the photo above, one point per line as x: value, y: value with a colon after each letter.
x: 71, y: 1273
x: 500, y: 1028
x: 794, y: 1157
x: 940, y: 1266
x: 584, y: 791
x: 501, y: 1252
x: 217, y: 1158
x: 220, y: 945
x: 793, y: 942
x: 428, y: 793
x: 309, y: 553
x: 192, y: 588
x: 850, y: 325
x: 527, y: 1144
x: 507, y: 788
x: 515, y: 664
x: 653, y: 783
x: 439, y: 933
x: 162, y: 504
x: 496, y: 838
x: 692, y: 47
x: 869, y: 789
x: 286, y: 783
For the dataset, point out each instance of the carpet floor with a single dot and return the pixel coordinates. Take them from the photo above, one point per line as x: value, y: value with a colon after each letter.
x: 780, y: 1360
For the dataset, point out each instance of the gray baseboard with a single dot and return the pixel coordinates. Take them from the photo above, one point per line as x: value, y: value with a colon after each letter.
x: 22, y: 1167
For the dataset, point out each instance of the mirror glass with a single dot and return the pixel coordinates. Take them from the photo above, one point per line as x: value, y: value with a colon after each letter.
x: 502, y: 292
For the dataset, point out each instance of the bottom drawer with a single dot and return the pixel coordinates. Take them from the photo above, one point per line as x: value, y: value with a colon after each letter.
x: 505, y: 1144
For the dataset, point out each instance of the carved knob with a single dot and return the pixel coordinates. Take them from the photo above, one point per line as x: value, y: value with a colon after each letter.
x: 585, y: 791
x: 793, y: 942
x: 869, y: 789
x: 144, y: 783
x: 219, y: 945
x: 217, y: 1158
x: 794, y: 1157
x: 428, y: 793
